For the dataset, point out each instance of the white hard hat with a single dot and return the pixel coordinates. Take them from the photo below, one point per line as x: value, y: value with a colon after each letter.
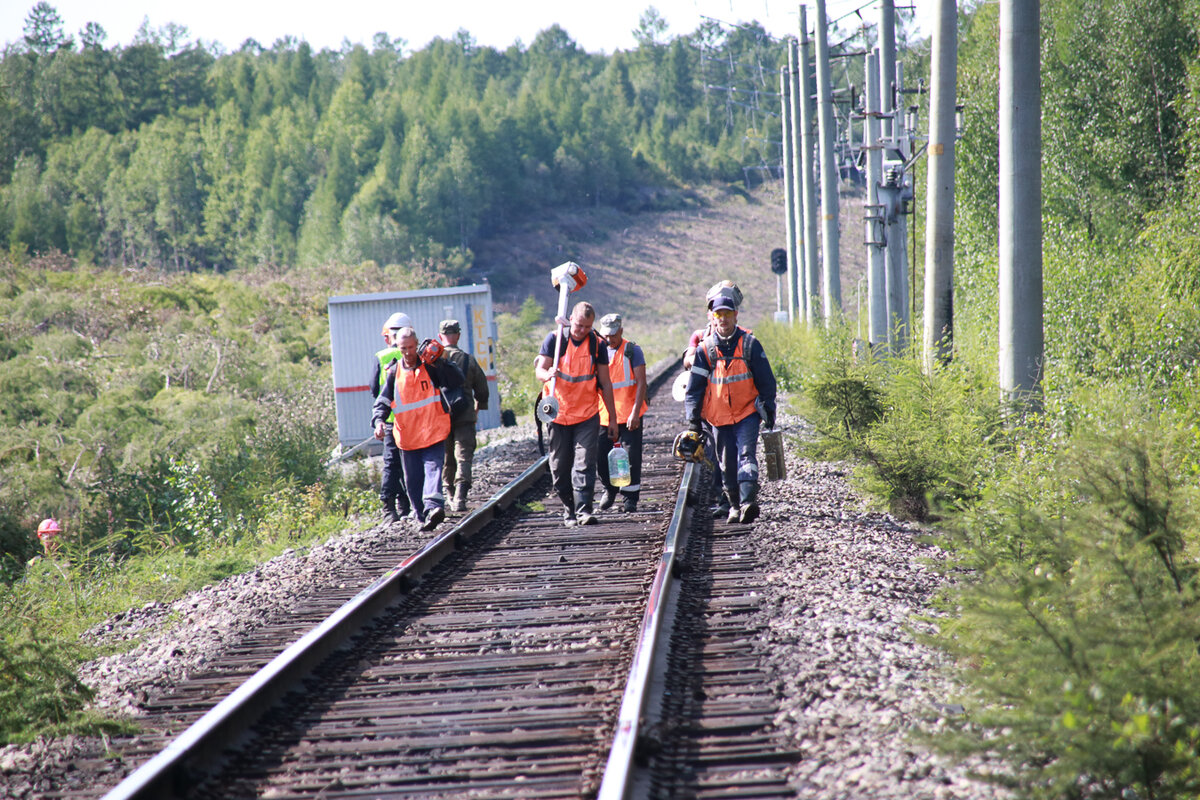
x: 398, y: 320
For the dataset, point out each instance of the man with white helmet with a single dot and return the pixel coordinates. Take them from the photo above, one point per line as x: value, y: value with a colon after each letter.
x: 391, y: 490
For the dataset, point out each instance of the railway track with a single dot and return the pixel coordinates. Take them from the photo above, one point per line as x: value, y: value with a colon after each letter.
x: 528, y: 661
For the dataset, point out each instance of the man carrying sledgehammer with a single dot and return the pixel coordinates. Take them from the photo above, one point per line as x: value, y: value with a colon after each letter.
x: 573, y: 368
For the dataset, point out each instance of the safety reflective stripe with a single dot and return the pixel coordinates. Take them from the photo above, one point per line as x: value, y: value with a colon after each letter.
x: 699, y: 370
x: 745, y: 376
x: 575, y: 384
x: 402, y: 407
x: 627, y: 372
x: 420, y: 419
x: 731, y: 391
x: 624, y: 385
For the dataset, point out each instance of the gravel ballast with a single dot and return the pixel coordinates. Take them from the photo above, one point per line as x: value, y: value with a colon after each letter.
x: 845, y: 588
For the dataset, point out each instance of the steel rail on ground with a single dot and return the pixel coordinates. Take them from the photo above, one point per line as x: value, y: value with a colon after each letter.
x: 170, y: 773
x: 618, y: 772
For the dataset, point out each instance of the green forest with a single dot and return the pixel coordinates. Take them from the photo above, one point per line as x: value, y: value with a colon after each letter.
x: 167, y: 154
x: 174, y: 218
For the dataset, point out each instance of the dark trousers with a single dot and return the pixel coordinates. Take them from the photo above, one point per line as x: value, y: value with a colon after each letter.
x: 392, y: 485
x: 423, y: 478
x: 632, y: 441
x: 737, y: 454
x: 573, y: 462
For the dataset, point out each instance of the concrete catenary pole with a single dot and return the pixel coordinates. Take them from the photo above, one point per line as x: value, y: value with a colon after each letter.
x: 796, y: 289
x: 877, y: 310
x: 789, y: 183
x: 832, y: 289
x: 1020, y: 219
x: 890, y: 82
x: 887, y: 65
x: 808, y: 113
x: 939, y: 190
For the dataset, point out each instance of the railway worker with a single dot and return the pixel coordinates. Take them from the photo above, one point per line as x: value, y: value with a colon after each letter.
x: 421, y: 426
x: 720, y: 287
x: 720, y: 508
x: 391, y: 486
x: 627, y: 374
x: 47, y: 533
x: 730, y: 381
x: 581, y: 383
x: 460, y: 448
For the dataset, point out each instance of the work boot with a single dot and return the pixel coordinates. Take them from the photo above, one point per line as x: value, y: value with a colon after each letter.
x: 435, y: 518
x: 748, y: 490
x: 390, y: 517
x: 721, y: 508
x: 610, y: 497
x: 629, y: 505
x: 583, y: 508
x: 735, y: 513
x: 403, y: 507
x: 569, y: 520
x: 459, y: 504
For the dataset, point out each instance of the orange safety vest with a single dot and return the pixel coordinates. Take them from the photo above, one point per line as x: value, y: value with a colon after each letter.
x: 624, y: 386
x: 731, y: 392
x: 575, y: 387
x: 420, y: 419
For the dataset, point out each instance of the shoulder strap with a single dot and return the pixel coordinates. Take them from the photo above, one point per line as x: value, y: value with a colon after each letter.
x: 435, y: 376
x: 747, y: 343
x: 710, y: 348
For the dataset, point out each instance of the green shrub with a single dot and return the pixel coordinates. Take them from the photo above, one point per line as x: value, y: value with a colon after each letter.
x: 39, y: 692
x: 1078, y: 623
x: 520, y: 339
x: 923, y: 439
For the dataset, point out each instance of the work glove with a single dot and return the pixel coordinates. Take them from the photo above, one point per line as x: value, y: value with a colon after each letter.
x: 767, y: 414
x: 694, y: 426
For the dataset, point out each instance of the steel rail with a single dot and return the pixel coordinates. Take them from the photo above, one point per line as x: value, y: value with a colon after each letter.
x: 173, y: 771
x: 618, y: 772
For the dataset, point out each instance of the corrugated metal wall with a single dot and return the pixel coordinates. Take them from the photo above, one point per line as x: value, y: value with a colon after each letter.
x: 355, y: 322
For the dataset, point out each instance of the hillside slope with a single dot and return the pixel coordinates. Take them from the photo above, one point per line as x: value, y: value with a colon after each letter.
x: 654, y: 267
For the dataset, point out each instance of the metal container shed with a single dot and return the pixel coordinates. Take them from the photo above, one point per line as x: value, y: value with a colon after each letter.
x: 355, y: 323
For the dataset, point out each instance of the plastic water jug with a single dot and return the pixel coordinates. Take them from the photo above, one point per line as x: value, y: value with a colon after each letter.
x: 618, y: 466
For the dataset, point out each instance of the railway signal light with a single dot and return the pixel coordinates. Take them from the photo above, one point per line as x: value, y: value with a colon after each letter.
x: 779, y: 261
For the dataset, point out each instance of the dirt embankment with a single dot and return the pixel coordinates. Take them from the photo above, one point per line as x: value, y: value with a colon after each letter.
x: 654, y: 267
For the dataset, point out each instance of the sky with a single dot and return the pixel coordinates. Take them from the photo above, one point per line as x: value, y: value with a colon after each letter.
x: 603, y: 26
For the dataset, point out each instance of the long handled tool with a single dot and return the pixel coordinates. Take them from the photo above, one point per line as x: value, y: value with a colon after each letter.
x: 567, y: 278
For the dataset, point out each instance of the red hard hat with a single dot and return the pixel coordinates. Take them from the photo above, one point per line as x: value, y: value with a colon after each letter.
x: 48, y: 526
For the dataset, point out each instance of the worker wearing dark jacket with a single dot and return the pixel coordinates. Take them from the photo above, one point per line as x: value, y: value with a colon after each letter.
x: 391, y: 486
x: 411, y: 393
x: 732, y: 388
x: 460, y: 447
